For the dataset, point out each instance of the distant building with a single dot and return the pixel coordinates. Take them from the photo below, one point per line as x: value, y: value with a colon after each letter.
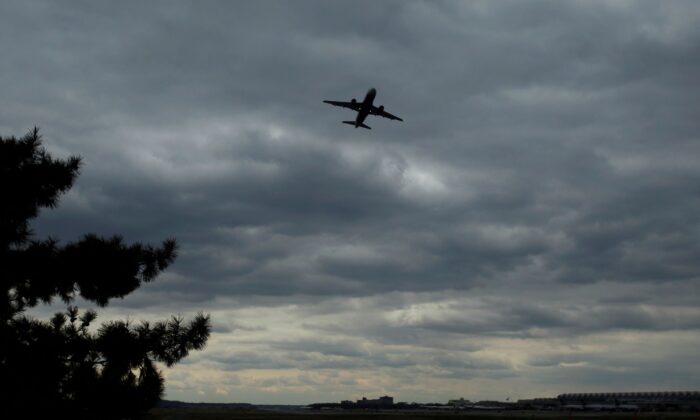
x: 381, y: 402
x: 674, y: 400
x: 459, y: 403
x: 538, y: 404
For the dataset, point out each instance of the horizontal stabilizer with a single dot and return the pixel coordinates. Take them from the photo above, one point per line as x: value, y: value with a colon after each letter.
x: 361, y: 125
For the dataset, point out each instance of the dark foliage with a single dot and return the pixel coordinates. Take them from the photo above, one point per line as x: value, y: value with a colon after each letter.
x: 61, y: 367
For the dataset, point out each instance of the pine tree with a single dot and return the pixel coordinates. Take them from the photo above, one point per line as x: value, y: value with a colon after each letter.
x: 62, y: 367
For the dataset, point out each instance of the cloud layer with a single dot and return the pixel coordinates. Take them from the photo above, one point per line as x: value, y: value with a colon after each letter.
x: 531, y: 227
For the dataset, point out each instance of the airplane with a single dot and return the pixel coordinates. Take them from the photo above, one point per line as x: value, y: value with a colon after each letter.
x: 364, y: 109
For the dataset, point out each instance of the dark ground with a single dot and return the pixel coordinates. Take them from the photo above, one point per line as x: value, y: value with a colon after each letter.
x: 220, y: 414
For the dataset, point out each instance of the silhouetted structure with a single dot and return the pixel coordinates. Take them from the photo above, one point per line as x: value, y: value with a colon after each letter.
x: 381, y: 402
x: 538, y: 404
x: 459, y: 403
x: 670, y: 400
x: 59, y: 369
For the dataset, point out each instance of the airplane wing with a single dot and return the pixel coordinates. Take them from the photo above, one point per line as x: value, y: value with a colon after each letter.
x: 355, y: 106
x: 381, y: 113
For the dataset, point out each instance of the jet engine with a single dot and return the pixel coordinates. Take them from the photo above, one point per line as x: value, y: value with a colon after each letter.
x: 353, y: 101
x: 381, y: 108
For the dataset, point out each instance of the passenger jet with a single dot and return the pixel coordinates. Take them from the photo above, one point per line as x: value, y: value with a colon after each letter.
x: 364, y: 109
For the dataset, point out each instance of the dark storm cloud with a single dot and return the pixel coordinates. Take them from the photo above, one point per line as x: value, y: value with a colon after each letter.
x: 459, y: 321
x: 354, y: 353
x: 547, y: 164
x: 517, y: 319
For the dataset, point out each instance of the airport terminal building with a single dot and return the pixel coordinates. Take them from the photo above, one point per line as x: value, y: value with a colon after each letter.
x: 673, y: 400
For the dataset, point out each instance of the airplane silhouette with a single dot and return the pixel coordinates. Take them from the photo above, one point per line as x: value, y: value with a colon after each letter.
x: 364, y: 109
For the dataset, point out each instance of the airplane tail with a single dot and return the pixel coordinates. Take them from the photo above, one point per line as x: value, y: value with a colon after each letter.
x: 360, y: 125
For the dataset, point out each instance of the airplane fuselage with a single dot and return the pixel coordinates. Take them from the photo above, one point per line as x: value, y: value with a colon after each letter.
x: 365, y: 107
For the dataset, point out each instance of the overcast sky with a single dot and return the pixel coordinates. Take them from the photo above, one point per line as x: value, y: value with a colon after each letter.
x: 531, y: 228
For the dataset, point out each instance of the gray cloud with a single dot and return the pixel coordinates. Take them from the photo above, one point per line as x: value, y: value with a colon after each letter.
x: 542, y: 187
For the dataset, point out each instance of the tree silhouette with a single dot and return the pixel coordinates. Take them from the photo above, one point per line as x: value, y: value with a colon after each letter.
x: 62, y: 367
